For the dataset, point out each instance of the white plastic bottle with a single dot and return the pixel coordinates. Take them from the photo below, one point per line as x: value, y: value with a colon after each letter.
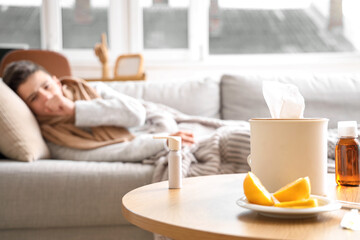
x: 174, y: 160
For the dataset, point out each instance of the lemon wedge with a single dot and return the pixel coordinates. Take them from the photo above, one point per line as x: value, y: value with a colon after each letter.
x: 297, y: 190
x: 255, y: 192
x: 305, y: 203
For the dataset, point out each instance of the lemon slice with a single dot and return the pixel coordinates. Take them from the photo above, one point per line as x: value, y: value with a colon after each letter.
x: 305, y: 203
x: 297, y: 190
x: 255, y: 192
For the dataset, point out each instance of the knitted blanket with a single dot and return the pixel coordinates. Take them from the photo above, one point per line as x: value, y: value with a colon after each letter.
x: 225, y: 151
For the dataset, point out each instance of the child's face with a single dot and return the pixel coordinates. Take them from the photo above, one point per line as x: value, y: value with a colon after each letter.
x: 37, y: 89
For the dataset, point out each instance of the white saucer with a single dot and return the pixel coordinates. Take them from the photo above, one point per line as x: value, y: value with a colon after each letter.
x: 325, y: 205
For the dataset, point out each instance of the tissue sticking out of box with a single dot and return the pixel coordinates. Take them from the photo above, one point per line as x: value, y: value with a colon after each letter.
x: 283, y: 100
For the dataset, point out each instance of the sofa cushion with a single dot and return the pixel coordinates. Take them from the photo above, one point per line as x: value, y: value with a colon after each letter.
x: 199, y: 97
x: 336, y: 97
x: 20, y: 134
x: 48, y: 193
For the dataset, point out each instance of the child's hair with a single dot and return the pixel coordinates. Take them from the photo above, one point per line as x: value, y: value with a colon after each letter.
x: 16, y: 73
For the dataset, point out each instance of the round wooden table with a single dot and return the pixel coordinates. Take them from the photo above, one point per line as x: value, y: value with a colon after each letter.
x: 205, y: 208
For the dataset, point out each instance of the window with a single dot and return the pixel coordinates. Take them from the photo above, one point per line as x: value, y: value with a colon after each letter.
x: 83, y: 21
x: 279, y: 26
x: 226, y: 27
x: 164, y: 29
x: 183, y: 30
x: 20, y: 23
x: 165, y: 24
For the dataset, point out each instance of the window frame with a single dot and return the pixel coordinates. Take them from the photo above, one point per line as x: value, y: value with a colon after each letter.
x: 52, y: 39
x: 196, y: 19
x: 125, y: 36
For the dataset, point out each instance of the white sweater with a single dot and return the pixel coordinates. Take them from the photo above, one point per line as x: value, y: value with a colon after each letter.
x: 113, y: 109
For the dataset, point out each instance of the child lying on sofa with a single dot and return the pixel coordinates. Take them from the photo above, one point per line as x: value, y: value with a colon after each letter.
x: 62, y: 108
x: 84, y: 123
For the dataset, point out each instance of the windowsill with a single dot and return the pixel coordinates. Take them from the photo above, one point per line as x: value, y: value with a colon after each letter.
x: 86, y: 64
x: 267, y: 59
x: 86, y: 57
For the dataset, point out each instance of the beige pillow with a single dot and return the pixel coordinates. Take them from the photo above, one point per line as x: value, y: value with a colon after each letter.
x: 20, y: 137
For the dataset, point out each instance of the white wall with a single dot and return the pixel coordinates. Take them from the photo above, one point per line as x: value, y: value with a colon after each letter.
x: 322, y: 6
x: 351, y: 20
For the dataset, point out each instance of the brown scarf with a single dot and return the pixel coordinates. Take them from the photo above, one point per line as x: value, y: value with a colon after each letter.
x: 62, y: 131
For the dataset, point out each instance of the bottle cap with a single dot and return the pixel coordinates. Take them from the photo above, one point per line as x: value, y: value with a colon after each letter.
x: 347, y: 129
x: 174, y: 142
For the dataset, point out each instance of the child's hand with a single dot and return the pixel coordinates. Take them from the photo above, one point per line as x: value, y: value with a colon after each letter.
x: 187, y: 137
x: 60, y: 106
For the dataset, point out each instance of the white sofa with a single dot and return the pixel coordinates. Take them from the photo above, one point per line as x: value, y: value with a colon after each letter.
x: 64, y: 199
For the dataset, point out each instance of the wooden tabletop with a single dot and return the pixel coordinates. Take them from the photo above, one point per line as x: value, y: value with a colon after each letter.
x: 205, y: 208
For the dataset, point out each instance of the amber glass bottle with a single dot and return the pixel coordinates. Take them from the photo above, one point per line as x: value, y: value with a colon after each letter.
x: 347, y: 165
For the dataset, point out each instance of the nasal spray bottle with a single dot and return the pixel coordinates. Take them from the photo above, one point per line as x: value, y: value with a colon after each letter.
x: 174, y: 160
